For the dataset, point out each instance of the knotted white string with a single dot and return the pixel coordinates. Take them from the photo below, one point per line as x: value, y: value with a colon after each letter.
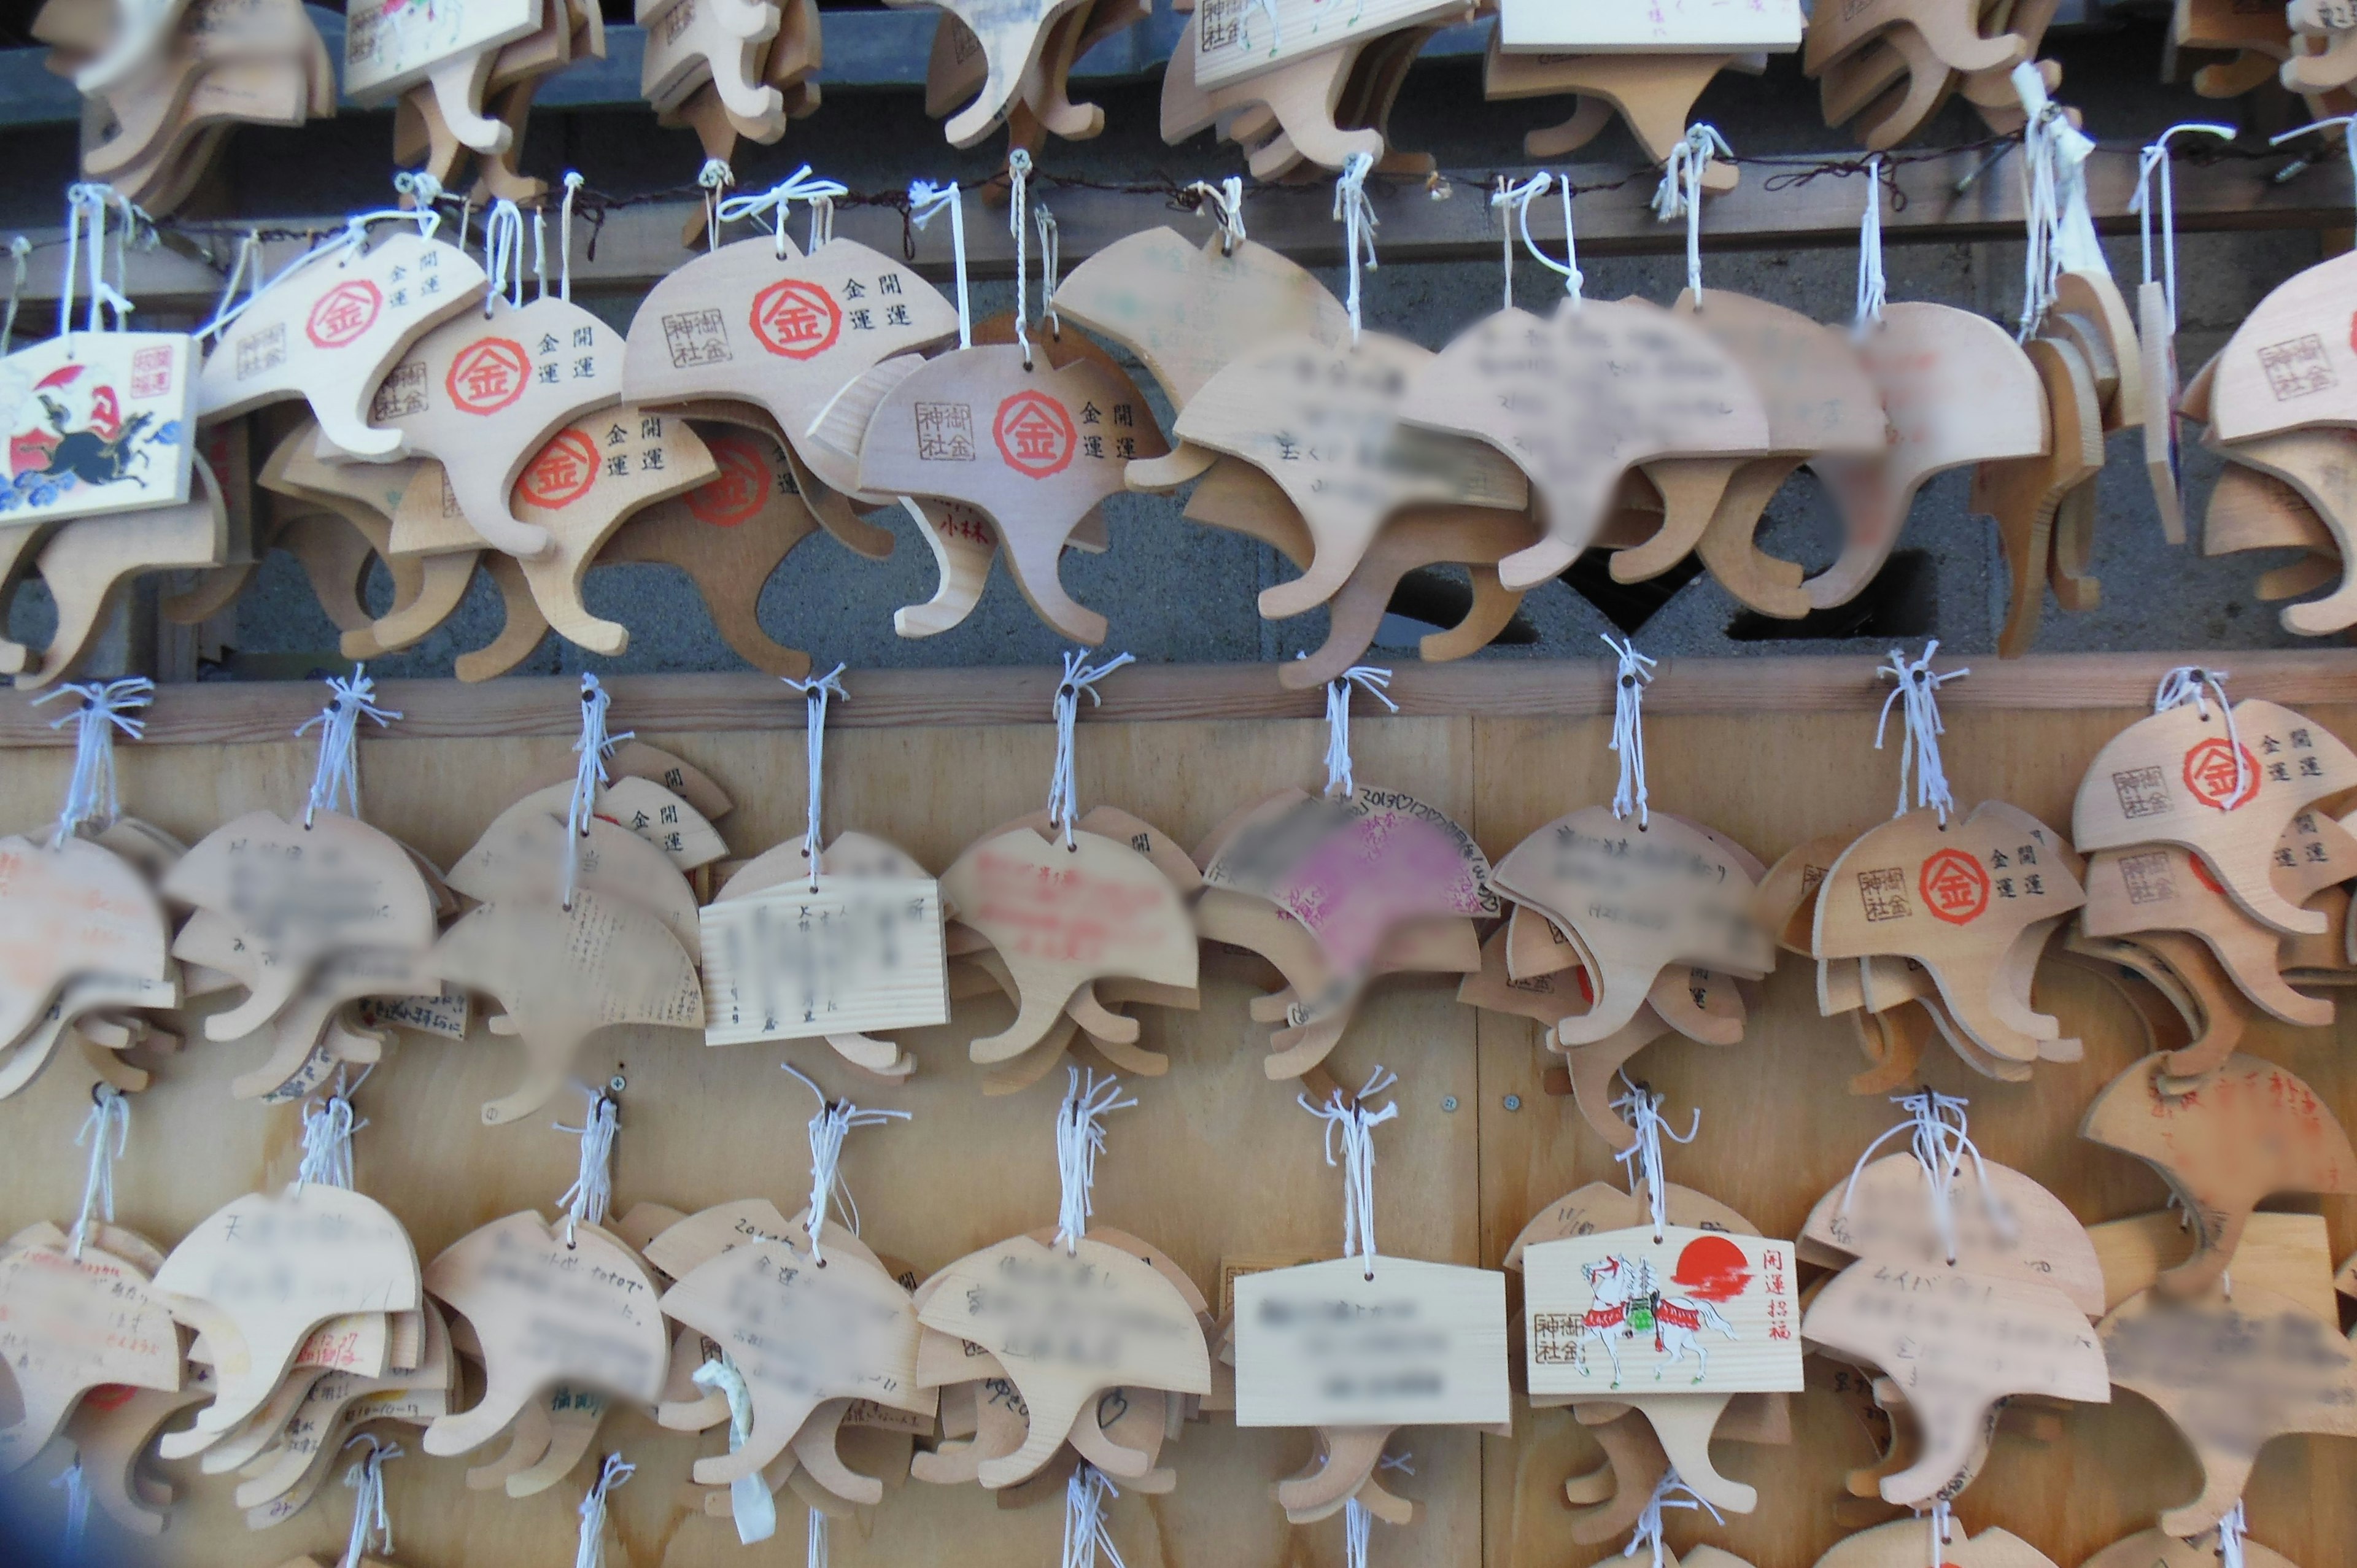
x: 1226, y: 203
x: 1080, y: 675
x: 246, y: 268
x: 1574, y: 280
x: 815, y: 692
x: 1871, y: 291
x: 504, y: 255
x: 539, y: 252
x: 1940, y: 1140
x: 1080, y: 1138
x: 2230, y: 1537
x: 1370, y: 679
x: 1917, y: 697
x: 1680, y: 193
x: 1670, y: 1492
x: 1629, y: 682
x: 2061, y: 231
x: 1087, y: 1534
x: 2191, y: 683
x: 1516, y: 200
x: 751, y: 1505
x: 1356, y: 1123
x: 108, y: 1112
x: 2154, y: 164
x: 573, y: 184
x: 586, y: 1201
x: 1357, y: 216
x: 715, y: 176
x: 778, y: 201
x: 338, y: 775
x: 107, y: 706
x: 328, y: 1129
x: 1641, y: 1108
x: 1052, y: 266
x: 590, y: 752
x: 591, y: 1552
x: 1358, y: 1530
x: 19, y: 249
x: 85, y: 204
x: 366, y: 1479
x: 1018, y: 215
x: 76, y: 1486
x: 834, y: 1119
x: 925, y: 199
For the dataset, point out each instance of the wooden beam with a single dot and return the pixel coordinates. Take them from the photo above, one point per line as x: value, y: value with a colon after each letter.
x: 230, y: 712
x: 1779, y: 204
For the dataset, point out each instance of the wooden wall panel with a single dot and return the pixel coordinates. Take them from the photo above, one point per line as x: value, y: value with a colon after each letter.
x: 1215, y: 1160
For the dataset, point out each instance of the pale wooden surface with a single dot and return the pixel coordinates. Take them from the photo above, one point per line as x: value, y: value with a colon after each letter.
x: 1217, y: 1161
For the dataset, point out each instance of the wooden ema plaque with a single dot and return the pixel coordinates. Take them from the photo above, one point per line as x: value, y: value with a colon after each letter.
x: 1660, y: 26
x: 98, y: 421
x: 69, y: 1326
x: 2004, y: 1224
x: 1420, y: 1344
x: 1700, y: 1310
x: 1241, y: 39
x: 795, y: 962
x: 75, y: 909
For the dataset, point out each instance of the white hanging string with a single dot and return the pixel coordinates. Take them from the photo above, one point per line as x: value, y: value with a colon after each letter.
x: 715, y: 176
x: 815, y: 692
x: 76, y: 1486
x: 586, y: 1201
x: 109, y: 1112
x: 925, y: 199
x: 814, y: 1554
x: 1871, y: 291
x: 1018, y: 196
x: 777, y: 202
x: 2230, y: 1537
x: 245, y: 269
x: 1358, y: 1531
x: 2192, y: 684
x: 1574, y: 280
x: 2060, y: 229
x: 827, y: 1129
x: 81, y: 199
x: 1052, y: 266
x: 19, y: 249
x: 1087, y: 1534
x: 107, y: 706
x: 573, y: 183
x: 1940, y: 1140
x: 1080, y: 675
x: 1356, y: 1123
x: 751, y: 1505
x: 328, y: 1129
x: 1680, y: 193
x: 1641, y: 1108
x: 1944, y: 1530
x: 1080, y: 1138
x: 1370, y: 679
x: 1670, y: 1492
x: 819, y: 230
x: 366, y: 1479
x: 338, y: 775
x: 539, y: 252
x: 2155, y: 166
x: 504, y: 255
x: 2348, y: 125
x: 1634, y: 672
x: 421, y: 188
x: 590, y: 752
x: 1917, y: 697
x: 591, y: 1552
x: 1357, y: 216
x: 1516, y: 200
x: 1226, y: 203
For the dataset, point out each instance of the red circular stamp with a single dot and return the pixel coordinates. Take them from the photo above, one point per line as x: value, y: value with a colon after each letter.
x: 2211, y: 775
x: 1034, y: 434
x: 1955, y: 887
x: 343, y: 313
x: 738, y: 491
x: 561, y: 472
x: 797, y: 320
x: 487, y: 374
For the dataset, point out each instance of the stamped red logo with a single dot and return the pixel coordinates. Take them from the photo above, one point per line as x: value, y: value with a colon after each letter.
x: 1034, y: 434
x: 740, y: 489
x: 562, y: 472
x: 1955, y: 887
x: 795, y: 319
x: 2212, y: 776
x: 487, y: 374
x: 343, y: 313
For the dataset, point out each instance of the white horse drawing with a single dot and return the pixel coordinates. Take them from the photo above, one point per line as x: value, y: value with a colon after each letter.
x: 1679, y: 1322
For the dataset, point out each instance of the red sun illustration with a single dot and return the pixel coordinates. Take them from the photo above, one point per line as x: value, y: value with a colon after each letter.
x: 1712, y: 1269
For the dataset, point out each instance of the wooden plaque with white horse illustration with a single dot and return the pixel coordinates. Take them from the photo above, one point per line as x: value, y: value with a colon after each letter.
x: 1690, y: 1310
